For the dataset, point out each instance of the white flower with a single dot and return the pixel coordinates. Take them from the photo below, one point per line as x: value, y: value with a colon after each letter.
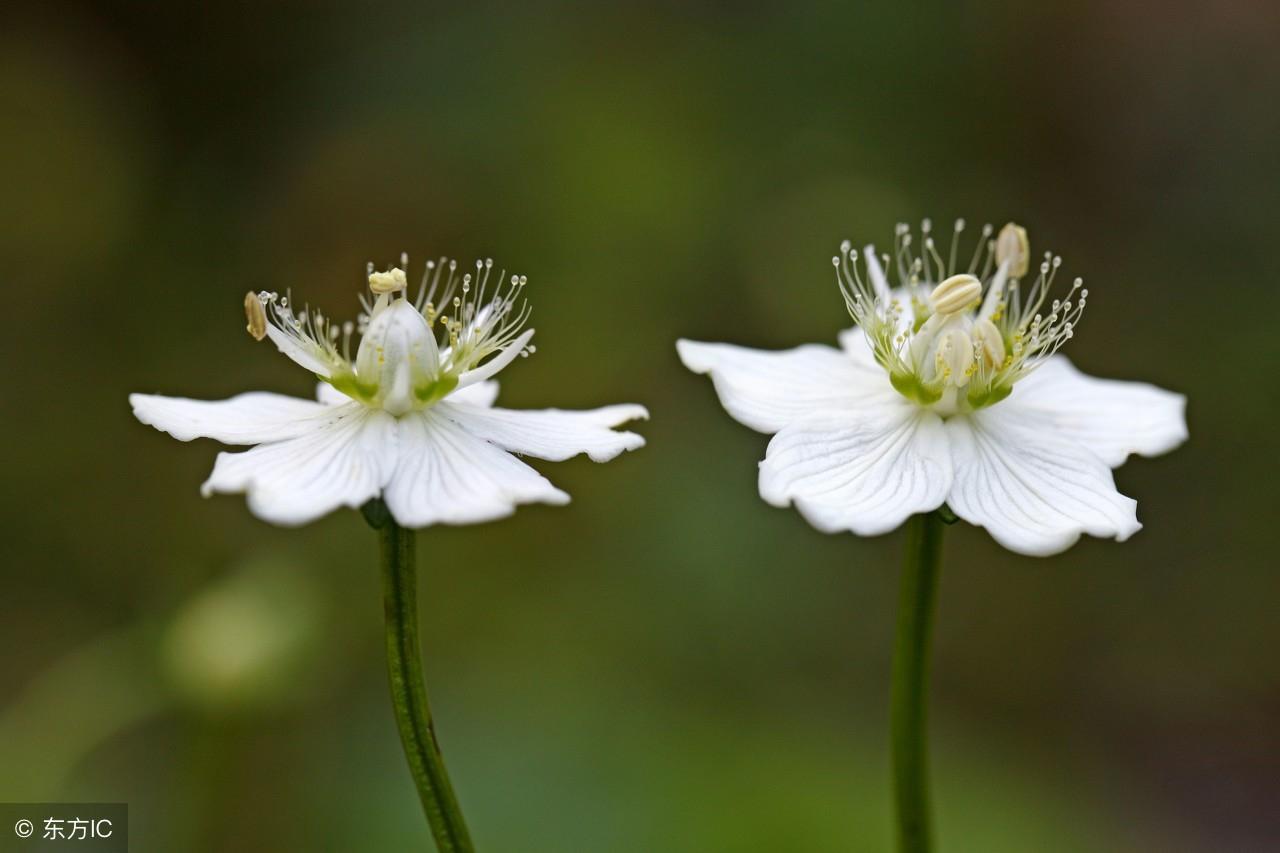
x: 951, y: 392
x: 409, y: 419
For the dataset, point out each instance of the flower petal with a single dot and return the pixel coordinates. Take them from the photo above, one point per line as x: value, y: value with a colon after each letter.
x: 251, y: 418
x: 552, y: 434
x: 447, y: 476
x: 330, y: 396
x: 480, y: 394
x: 766, y: 390
x: 341, y: 461
x: 865, y: 471
x: 1111, y: 418
x: 1033, y: 491
x: 853, y: 343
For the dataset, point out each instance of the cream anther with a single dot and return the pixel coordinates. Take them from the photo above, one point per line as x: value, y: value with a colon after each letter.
x: 391, y: 281
x: 955, y: 294
x: 1013, y: 246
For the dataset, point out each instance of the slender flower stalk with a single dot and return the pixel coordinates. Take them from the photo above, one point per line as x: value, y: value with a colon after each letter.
x: 908, y: 714
x: 408, y: 690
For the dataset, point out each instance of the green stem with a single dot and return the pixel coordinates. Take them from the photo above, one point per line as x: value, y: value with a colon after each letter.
x: 916, y: 605
x: 408, y: 692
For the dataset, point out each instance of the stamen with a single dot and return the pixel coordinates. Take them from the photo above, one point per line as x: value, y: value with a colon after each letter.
x: 1013, y: 247
x: 986, y: 236
x: 256, y: 316
x: 1012, y: 332
x: 955, y: 294
x: 955, y: 238
x: 391, y: 281
x: 937, y: 259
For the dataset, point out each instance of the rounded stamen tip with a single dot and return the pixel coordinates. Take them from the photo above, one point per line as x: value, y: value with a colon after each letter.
x: 255, y: 315
x: 1013, y: 246
x: 955, y: 294
x: 391, y: 281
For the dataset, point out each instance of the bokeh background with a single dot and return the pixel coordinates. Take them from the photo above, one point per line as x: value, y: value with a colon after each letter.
x: 667, y: 663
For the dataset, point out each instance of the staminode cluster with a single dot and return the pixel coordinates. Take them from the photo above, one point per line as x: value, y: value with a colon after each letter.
x: 455, y: 323
x: 957, y: 340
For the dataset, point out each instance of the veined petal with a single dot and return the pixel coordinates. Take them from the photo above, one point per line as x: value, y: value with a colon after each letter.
x: 1033, y: 491
x: 552, y: 434
x: 1111, y: 418
x: 330, y: 396
x: 343, y: 461
x: 766, y: 390
x: 447, y: 476
x: 482, y: 394
x: 853, y: 343
x: 865, y: 471
x: 251, y: 418
x: 499, y: 361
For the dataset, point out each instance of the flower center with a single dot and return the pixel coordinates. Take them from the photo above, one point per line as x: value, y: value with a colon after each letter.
x: 411, y: 353
x: 951, y: 340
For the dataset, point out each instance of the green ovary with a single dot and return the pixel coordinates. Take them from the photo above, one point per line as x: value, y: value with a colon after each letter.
x: 981, y: 397
x: 913, y: 389
x: 349, y: 384
x: 427, y: 394
x: 922, y: 394
x: 435, y: 390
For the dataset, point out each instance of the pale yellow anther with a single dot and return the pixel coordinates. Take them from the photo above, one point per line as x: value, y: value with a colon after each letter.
x: 955, y: 294
x: 1013, y: 246
x: 988, y: 342
x: 256, y: 315
x: 388, y: 282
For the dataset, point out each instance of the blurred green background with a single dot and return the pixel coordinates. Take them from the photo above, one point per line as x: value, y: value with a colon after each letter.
x: 667, y: 664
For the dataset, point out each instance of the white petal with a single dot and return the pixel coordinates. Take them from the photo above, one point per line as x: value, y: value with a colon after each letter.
x: 865, y: 471
x: 342, y: 462
x: 448, y: 476
x: 766, y: 390
x: 853, y: 342
x: 499, y: 361
x: 250, y: 418
x: 300, y: 354
x: 1111, y: 418
x: 480, y: 394
x: 330, y: 396
x: 1034, y: 491
x: 552, y: 434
